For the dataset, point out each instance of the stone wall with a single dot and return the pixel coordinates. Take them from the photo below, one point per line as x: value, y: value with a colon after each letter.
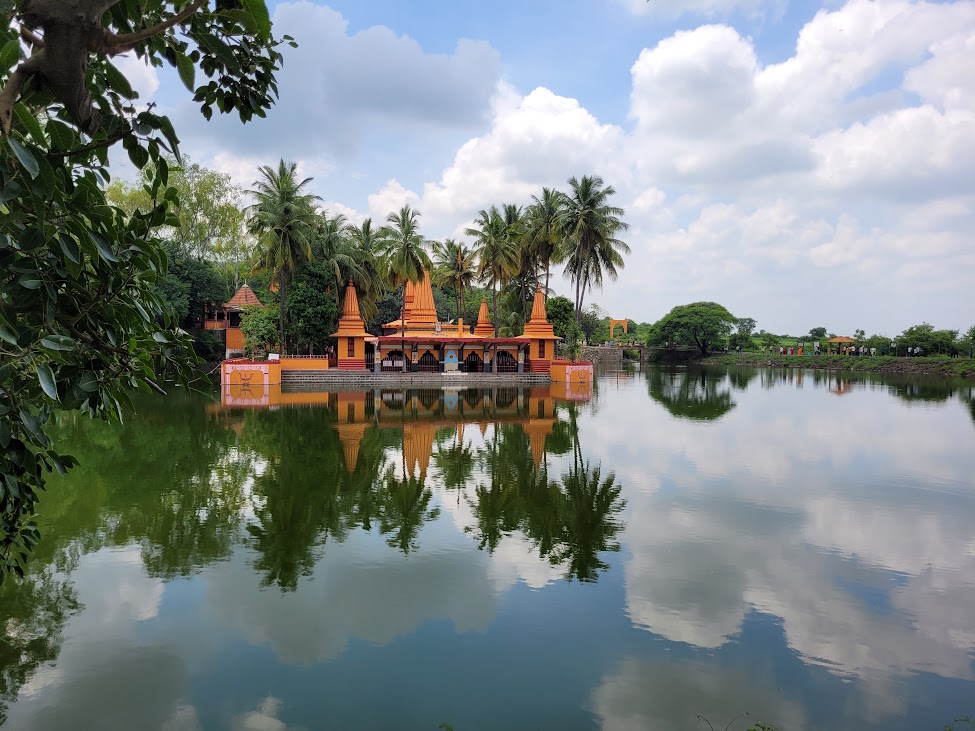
x: 357, y: 379
x: 603, y: 356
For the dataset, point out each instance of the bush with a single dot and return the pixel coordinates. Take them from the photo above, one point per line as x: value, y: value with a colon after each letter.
x: 209, y: 345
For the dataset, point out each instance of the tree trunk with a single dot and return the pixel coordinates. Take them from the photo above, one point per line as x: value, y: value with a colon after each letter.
x: 284, y: 284
x: 578, y: 302
x: 402, y: 330
x: 548, y: 271
x: 494, y: 300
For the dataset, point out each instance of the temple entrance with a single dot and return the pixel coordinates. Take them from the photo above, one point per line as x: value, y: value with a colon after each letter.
x: 393, y: 361
x: 370, y: 356
x: 504, y: 362
x: 428, y: 363
x: 473, y: 363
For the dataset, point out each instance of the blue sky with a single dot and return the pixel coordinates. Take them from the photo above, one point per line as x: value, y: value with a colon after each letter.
x: 796, y: 161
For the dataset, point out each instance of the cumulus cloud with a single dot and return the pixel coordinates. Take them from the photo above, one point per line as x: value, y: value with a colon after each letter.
x: 338, y: 83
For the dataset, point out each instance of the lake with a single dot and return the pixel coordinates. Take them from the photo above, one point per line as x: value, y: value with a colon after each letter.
x: 799, y: 546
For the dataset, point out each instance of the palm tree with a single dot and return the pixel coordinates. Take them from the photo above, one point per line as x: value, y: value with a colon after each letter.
x: 367, y: 241
x: 455, y: 266
x: 283, y: 220
x: 335, y: 248
x: 495, y: 251
x: 543, y: 229
x: 590, y: 225
x: 404, y: 256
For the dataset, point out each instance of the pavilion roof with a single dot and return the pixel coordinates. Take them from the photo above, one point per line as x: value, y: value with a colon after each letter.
x: 841, y: 339
x: 243, y: 297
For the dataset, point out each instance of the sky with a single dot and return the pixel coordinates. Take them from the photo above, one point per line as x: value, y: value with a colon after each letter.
x: 802, y: 163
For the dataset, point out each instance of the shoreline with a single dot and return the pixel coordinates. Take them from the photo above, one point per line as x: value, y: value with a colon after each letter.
x: 922, y: 366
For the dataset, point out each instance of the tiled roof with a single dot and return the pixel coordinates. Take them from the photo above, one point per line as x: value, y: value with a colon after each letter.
x: 243, y: 296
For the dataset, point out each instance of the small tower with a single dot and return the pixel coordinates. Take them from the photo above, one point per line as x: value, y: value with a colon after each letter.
x: 541, y: 336
x: 484, y: 328
x: 351, y: 347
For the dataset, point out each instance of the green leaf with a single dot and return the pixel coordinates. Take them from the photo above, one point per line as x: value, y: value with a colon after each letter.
x: 118, y: 82
x: 29, y: 122
x: 9, y: 54
x: 58, y: 342
x: 46, y: 376
x: 104, y: 249
x: 70, y: 248
x: 30, y: 281
x: 10, y: 190
x: 25, y: 157
x: 260, y: 18
x: 186, y: 70
x: 7, y: 333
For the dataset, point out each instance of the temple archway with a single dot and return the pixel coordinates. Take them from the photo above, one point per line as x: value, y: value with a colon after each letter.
x: 614, y: 323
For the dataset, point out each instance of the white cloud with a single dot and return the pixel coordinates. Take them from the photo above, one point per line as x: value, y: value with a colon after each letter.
x: 670, y: 9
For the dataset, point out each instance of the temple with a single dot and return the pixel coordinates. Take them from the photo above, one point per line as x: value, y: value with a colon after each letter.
x: 419, y: 342
x: 416, y: 342
x: 227, y: 318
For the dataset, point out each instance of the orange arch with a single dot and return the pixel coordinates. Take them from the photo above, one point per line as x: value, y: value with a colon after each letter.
x: 614, y: 323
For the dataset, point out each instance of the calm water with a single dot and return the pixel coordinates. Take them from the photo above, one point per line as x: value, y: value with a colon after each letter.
x: 796, y: 546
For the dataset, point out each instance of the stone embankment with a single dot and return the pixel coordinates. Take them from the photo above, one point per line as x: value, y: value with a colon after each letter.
x: 928, y: 366
x: 603, y: 356
x: 356, y: 379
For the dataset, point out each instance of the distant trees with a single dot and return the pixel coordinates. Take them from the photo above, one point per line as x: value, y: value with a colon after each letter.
x: 700, y: 324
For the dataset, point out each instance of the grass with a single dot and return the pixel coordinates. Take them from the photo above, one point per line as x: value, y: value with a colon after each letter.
x: 960, y: 367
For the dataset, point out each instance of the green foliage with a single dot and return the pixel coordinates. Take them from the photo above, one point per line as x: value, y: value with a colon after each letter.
x: 313, y: 315
x: 593, y: 324
x: 260, y: 328
x: 700, y: 324
x: 931, y: 341
x: 209, y: 345
x: 284, y: 221
x: 560, y: 313
x: 817, y: 333
x: 573, y: 341
x: 590, y: 225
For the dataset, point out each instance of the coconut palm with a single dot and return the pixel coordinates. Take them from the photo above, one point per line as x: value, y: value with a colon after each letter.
x: 455, y: 267
x: 283, y: 221
x: 334, y: 247
x: 543, y: 229
x: 590, y: 225
x: 404, y: 255
x: 366, y: 240
x: 496, y: 253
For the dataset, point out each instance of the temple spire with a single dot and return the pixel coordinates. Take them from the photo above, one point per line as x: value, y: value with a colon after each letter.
x: 484, y: 328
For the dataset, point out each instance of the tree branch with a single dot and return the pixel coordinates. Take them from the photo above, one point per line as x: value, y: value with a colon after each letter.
x: 107, y: 142
x: 11, y: 90
x: 31, y: 37
x: 120, y: 43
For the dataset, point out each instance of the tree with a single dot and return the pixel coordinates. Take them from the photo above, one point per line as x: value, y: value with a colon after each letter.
x: 81, y: 322
x: 543, y: 229
x: 367, y: 240
x: 561, y: 314
x: 859, y: 335
x: 817, y: 333
x: 283, y: 219
x: 496, y: 253
x: 455, y: 267
x: 313, y: 314
x: 930, y: 341
x: 590, y: 225
x: 209, y: 215
x: 701, y: 324
x: 404, y: 255
x: 259, y: 326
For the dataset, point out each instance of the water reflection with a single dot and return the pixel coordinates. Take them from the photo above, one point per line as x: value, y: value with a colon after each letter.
x: 698, y: 394
x: 807, y: 556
